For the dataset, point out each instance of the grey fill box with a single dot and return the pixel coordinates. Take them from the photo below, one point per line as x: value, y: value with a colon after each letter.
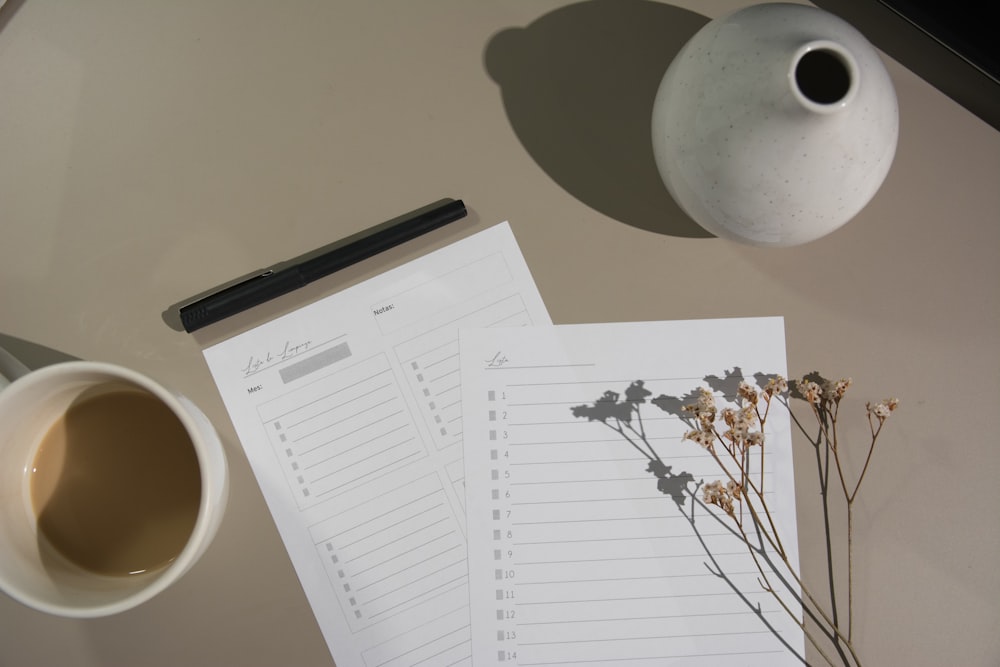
x: 314, y: 363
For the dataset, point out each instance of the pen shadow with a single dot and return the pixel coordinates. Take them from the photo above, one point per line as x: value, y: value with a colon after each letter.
x: 172, y: 314
x: 578, y: 86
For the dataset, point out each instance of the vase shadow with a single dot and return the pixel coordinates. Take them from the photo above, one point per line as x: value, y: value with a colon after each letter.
x: 578, y: 86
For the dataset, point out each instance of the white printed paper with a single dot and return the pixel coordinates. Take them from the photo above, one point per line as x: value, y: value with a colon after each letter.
x: 349, y: 411
x: 583, y: 549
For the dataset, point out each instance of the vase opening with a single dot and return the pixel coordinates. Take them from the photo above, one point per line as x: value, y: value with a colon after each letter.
x: 823, y: 76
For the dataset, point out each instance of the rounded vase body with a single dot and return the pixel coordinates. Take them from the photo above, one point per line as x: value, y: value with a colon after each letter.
x: 775, y: 125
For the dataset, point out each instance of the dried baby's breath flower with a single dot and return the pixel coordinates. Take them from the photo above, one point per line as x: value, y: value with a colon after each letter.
x: 714, y: 493
x: 748, y: 392
x: 776, y: 385
x: 728, y: 432
x: 704, y: 410
x: 705, y: 438
x: 712, y: 490
x: 810, y: 390
x: 835, y: 390
x: 706, y: 400
x: 882, y: 409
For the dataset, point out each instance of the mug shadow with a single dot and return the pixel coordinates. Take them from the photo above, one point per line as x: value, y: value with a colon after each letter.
x: 578, y: 86
x: 29, y: 354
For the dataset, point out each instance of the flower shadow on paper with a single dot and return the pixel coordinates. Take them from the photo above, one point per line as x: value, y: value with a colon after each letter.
x: 622, y: 413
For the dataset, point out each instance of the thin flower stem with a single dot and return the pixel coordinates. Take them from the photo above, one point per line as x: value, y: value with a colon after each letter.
x: 762, y: 444
x: 830, y: 434
x: 817, y: 607
x: 832, y: 445
x: 850, y: 571
x: 773, y: 539
x: 766, y: 585
x: 749, y: 483
x: 762, y: 419
x: 814, y: 621
x: 871, y: 449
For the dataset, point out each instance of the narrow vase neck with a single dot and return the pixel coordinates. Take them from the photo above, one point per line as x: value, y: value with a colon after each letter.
x: 823, y: 76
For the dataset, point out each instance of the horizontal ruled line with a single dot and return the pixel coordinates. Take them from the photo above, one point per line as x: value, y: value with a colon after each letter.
x: 533, y: 367
x: 371, y: 456
x: 624, y: 639
x: 576, y: 382
x: 439, y: 361
x: 445, y: 650
x: 404, y: 569
x: 367, y: 474
x: 360, y: 444
x: 463, y: 579
x: 443, y: 375
x: 399, y: 555
x: 417, y: 580
x: 611, y: 539
x: 659, y: 576
x: 392, y: 525
x: 630, y: 619
x: 617, y: 518
x: 623, y: 558
x: 343, y: 435
x: 339, y: 405
x: 643, y: 597
x: 368, y: 520
x: 588, y: 500
x: 649, y: 657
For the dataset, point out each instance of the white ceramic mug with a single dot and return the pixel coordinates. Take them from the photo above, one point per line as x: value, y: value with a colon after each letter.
x: 29, y: 405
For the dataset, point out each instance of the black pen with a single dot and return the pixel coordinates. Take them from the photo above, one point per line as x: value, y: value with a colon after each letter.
x: 275, y: 282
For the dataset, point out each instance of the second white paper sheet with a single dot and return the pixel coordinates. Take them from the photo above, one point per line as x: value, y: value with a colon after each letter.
x: 585, y: 550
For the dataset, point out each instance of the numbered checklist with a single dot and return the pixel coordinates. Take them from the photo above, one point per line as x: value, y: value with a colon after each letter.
x: 582, y: 550
x: 350, y: 414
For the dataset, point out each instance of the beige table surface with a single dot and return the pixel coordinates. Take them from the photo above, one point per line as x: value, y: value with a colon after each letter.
x: 152, y: 150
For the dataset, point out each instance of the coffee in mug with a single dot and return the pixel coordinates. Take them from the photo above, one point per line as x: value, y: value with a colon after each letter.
x: 111, y: 487
x: 115, y: 485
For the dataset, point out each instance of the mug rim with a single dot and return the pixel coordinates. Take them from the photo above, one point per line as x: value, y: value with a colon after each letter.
x: 158, y: 580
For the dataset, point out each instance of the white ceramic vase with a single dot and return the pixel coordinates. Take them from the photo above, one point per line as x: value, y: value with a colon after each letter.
x: 775, y: 124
